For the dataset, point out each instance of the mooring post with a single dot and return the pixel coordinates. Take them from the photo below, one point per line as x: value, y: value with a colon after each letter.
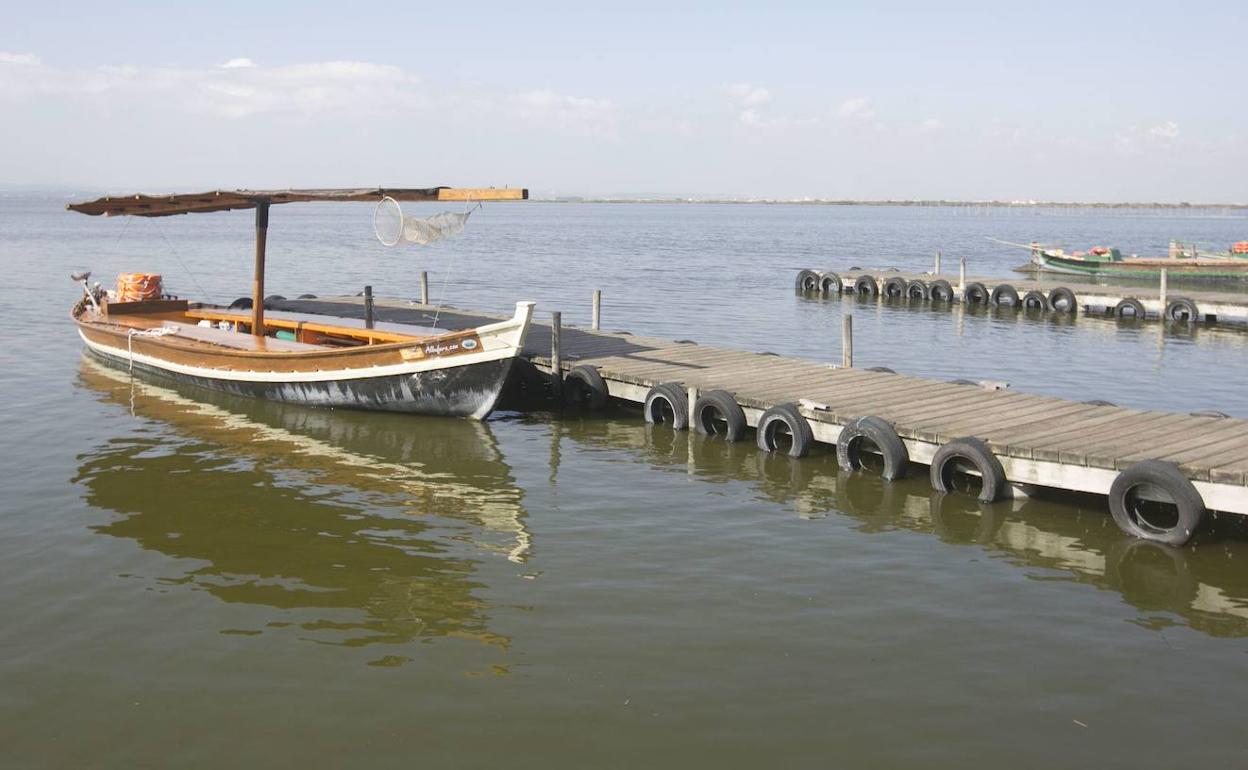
x: 937, y: 270
x: 847, y: 341
x: 693, y: 401
x: 597, y: 317
x: 424, y: 287
x: 556, y: 358
x: 961, y: 274
x: 1164, y: 281
x: 368, y: 307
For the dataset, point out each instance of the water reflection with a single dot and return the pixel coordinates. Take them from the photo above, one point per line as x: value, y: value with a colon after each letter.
x: 1070, y: 538
x: 378, y: 525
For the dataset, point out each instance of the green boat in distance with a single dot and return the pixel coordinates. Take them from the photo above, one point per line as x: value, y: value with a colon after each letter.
x: 1182, y: 261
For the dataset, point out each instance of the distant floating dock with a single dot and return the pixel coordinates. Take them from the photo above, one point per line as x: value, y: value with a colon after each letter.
x: 1161, y: 472
x: 1053, y: 295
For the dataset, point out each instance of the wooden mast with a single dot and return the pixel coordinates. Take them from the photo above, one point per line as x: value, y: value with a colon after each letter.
x: 257, y: 283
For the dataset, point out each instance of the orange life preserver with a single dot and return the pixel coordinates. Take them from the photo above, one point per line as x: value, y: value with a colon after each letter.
x: 1240, y: 247
x: 136, y: 287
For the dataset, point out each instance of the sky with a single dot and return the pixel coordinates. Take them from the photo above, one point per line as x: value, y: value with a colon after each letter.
x: 1062, y: 101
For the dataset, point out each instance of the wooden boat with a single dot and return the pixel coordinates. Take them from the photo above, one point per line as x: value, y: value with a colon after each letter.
x: 1186, y: 262
x: 299, y: 358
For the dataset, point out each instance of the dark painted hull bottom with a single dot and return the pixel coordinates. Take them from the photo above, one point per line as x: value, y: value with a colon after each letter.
x: 471, y: 390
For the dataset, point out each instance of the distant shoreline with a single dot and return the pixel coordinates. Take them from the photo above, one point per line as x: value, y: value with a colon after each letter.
x: 900, y: 203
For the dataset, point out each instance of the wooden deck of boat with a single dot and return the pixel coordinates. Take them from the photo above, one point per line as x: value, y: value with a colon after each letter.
x: 1040, y: 440
x: 1212, y: 305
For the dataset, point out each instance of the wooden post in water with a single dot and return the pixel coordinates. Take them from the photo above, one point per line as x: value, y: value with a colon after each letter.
x: 847, y: 341
x: 257, y: 283
x: 937, y: 270
x: 1164, y: 280
x: 689, y: 405
x: 368, y: 307
x: 556, y: 358
x: 424, y: 287
x: 597, y: 317
x: 961, y: 274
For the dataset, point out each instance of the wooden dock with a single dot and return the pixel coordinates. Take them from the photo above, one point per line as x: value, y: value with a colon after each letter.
x: 1039, y: 441
x: 1154, y: 303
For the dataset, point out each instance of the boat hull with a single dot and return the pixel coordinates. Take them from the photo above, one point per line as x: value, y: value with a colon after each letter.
x: 1225, y: 270
x: 467, y: 390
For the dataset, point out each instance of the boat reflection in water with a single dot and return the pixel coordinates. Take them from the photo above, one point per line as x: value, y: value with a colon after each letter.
x: 1202, y: 587
x: 382, y: 524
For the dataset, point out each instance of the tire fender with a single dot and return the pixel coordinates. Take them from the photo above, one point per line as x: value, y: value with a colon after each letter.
x: 1063, y: 300
x: 807, y: 280
x: 715, y: 405
x: 940, y: 290
x: 1129, y: 308
x: 975, y: 293
x: 830, y: 283
x: 916, y: 289
x: 866, y: 286
x: 1004, y: 294
x: 1035, y: 300
x: 880, y: 432
x: 788, y: 419
x: 667, y: 402
x: 585, y: 388
x: 894, y: 288
x: 1166, y: 476
x: 976, y: 452
x: 1183, y: 310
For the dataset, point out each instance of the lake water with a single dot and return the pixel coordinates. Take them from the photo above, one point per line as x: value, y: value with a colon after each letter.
x: 193, y: 580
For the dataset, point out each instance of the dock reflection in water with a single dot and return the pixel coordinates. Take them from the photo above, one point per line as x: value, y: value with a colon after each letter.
x: 381, y: 524
x: 1200, y: 586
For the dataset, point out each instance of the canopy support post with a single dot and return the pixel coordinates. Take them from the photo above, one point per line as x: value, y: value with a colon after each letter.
x: 257, y: 283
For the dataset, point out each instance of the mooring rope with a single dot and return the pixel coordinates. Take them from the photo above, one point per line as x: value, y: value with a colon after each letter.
x: 160, y: 332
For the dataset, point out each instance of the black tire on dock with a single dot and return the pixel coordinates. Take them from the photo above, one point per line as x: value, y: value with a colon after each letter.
x: 307, y: 296
x: 584, y: 387
x: 807, y: 280
x: 1129, y: 308
x: 880, y: 433
x: 1215, y: 414
x: 883, y: 369
x: 717, y: 413
x: 894, y: 288
x: 1063, y: 300
x: 963, y: 381
x: 956, y: 456
x: 1153, y: 520
x: 667, y: 403
x: 940, y: 291
x: 1182, y: 309
x: 975, y: 294
x: 1004, y: 294
x: 783, y: 429
x: 1035, y: 300
x: 275, y: 298
x: 242, y: 303
x: 1099, y: 402
x: 866, y: 286
x: 830, y: 283
x: 917, y: 289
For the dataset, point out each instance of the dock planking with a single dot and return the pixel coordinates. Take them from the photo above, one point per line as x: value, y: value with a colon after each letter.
x: 1039, y: 440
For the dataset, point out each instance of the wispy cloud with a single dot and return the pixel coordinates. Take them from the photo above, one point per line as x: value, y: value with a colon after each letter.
x: 573, y: 115
x: 748, y: 95
x: 931, y: 124
x: 18, y: 58
x: 1167, y: 130
x: 857, y: 108
x: 240, y: 63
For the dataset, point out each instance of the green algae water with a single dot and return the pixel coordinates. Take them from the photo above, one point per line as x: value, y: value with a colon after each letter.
x: 191, y: 580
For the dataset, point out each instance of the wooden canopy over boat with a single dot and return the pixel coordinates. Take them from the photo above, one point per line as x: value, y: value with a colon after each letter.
x: 141, y: 205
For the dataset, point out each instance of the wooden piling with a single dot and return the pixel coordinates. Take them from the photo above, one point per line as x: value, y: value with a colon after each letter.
x: 424, y: 287
x: 961, y: 274
x: 1164, y: 281
x: 937, y: 270
x: 368, y: 307
x: 847, y: 341
x: 556, y: 357
x: 597, y: 317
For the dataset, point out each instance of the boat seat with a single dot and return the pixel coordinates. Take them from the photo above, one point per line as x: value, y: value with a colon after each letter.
x: 221, y: 337
x: 324, y: 324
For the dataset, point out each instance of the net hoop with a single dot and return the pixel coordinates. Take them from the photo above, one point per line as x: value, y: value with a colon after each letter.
x: 388, y: 222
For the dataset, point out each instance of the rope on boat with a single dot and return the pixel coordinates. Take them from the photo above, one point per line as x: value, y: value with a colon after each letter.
x: 161, y: 332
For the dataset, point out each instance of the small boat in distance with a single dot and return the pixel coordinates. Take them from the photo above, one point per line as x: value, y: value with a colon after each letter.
x: 300, y: 358
x: 1181, y: 261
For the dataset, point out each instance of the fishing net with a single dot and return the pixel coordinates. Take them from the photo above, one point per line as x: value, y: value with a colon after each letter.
x: 392, y: 227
